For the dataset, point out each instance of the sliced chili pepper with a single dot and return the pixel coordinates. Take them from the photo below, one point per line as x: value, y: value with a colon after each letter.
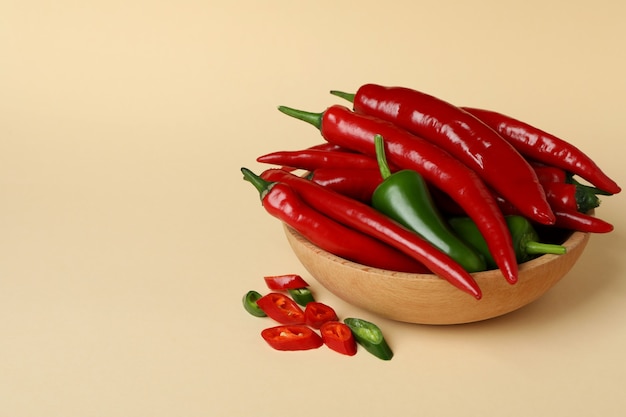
x: 292, y: 337
x: 285, y: 282
x: 250, y: 303
x: 369, y: 336
x: 341, y: 126
x: 317, y: 313
x: 302, y: 296
x: 281, y: 308
x: 525, y: 238
x: 283, y: 203
x: 544, y: 147
x: 354, y: 183
x: 404, y: 197
x: 338, y: 337
x: 366, y: 219
x: 463, y: 135
x: 311, y: 159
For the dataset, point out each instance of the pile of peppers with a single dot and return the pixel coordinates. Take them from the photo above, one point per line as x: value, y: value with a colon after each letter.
x: 406, y: 181
x: 305, y: 324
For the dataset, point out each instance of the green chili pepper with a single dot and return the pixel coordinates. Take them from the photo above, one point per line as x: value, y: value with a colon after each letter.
x: 525, y: 239
x: 302, y: 296
x: 404, y: 196
x: 370, y: 337
x: 249, y: 303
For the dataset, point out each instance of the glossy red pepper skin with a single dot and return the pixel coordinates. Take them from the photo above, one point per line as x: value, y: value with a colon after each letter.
x: 354, y: 183
x: 464, y: 136
x: 292, y: 337
x: 338, y: 337
x: 343, y: 127
x: 549, y: 174
x: 285, y: 282
x: 544, y: 147
x: 283, y: 203
x: 281, y: 308
x: 311, y: 159
x: 575, y: 220
x: 316, y: 314
x: 367, y: 220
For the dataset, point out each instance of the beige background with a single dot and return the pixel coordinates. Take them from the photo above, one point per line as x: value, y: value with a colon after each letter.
x: 127, y: 236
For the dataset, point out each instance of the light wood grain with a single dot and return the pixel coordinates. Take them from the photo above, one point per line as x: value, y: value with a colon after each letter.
x: 428, y: 299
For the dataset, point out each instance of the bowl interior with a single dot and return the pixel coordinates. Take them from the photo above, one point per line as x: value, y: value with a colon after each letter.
x: 426, y: 298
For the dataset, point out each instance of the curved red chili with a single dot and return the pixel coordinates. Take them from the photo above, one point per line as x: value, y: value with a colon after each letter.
x: 341, y: 126
x: 544, y: 147
x: 282, y: 202
x: 575, y: 220
x: 354, y: 183
x: 311, y: 159
x: 370, y: 221
x: 464, y: 136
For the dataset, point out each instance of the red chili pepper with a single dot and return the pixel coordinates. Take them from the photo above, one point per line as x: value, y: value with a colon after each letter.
x: 341, y: 126
x: 338, y: 337
x: 281, y: 308
x: 317, y: 313
x: 367, y: 220
x: 464, y: 136
x: 311, y: 159
x: 280, y: 201
x: 354, y: 183
x: 564, y: 196
x: 292, y: 337
x: 544, y: 147
x: 285, y: 282
x: 325, y: 146
x: 575, y: 220
x: 548, y: 174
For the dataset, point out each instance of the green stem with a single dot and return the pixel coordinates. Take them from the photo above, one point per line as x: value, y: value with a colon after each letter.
x: 313, y: 118
x: 262, y: 186
x: 538, y: 248
x: 347, y: 96
x: 381, y: 158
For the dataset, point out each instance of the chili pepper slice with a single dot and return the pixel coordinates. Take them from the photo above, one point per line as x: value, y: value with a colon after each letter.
x: 283, y: 203
x: 497, y: 162
x: 338, y: 337
x: 525, y: 238
x: 250, y: 303
x: 281, y: 308
x: 544, y: 147
x: 404, y: 197
x: 317, y: 313
x: 292, y: 337
x: 302, y: 296
x: 366, y: 219
x: 341, y: 126
x: 369, y: 336
x: 285, y: 282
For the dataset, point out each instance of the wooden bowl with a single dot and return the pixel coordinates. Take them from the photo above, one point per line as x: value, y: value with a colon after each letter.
x: 426, y: 298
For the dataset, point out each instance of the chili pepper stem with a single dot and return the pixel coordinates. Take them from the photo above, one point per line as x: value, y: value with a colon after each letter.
x: 347, y: 96
x: 263, y: 186
x: 538, y: 248
x: 312, y: 118
x: 381, y: 158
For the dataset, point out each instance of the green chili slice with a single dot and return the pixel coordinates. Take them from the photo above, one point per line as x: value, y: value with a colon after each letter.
x: 249, y: 303
x: 302, y: 296
x: 369, y: 336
